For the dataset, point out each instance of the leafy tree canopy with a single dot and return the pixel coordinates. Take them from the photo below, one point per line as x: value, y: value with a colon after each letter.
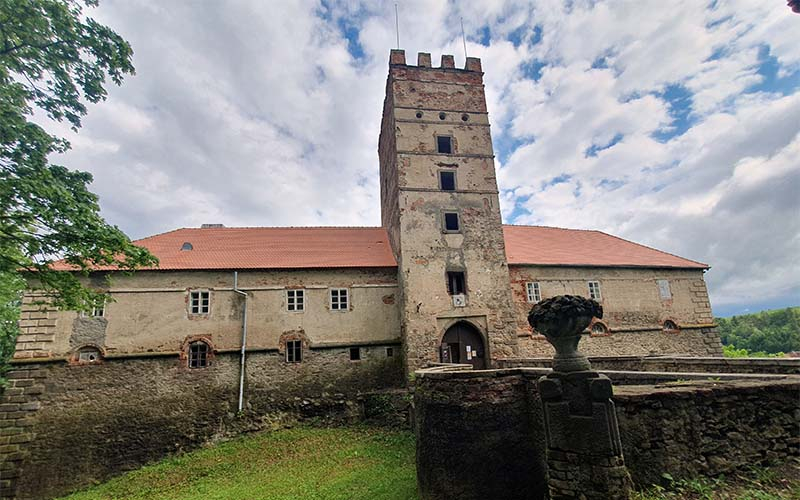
x: 55, y: 58
x: 769, y: 332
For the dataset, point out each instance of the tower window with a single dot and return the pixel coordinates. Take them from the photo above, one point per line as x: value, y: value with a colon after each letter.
x: 451, y: 224
x: 295, y: 300
x: 339, y: 299
x: 294, y: 351
x: 199, y: 302
x: 355, y: 354
x: 594, y: 290
x: 444, y: 144
x: 533, y: 291
x: 456, y: 283
x: 198, y: 354
x: 447, y: 180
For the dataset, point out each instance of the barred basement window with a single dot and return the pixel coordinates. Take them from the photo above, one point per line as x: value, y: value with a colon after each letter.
x: 294, y: 351
x: 339, y: 299
x: 594, y: 290
x: 456, y: 283
x: 355, y: 354
x: 670, y: 327
x: 198, y: 354
x: 599, y: 329
x: 532, y: 288
x: 295, y: 300
x: 89, y: 354
x: 199, y: 302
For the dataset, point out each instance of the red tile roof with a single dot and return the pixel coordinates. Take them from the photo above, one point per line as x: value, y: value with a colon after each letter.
x: 341, y: 247
x: 538, y: 245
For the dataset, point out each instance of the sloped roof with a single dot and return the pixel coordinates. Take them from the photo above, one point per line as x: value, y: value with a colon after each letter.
x: 341, y: 247
x: 553, y: 246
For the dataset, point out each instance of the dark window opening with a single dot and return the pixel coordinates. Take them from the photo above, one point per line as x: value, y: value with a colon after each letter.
x: 186, y: 246
x: 456, y: 284
x: 451, y: 221
x: 200, y: 302
x: 198, y: 354
x: 389, y: 352
x: 419, y: 114
x: 442, y: 116
x: 447, y: 180
x: 444, y: 144
x: 355, y: 354
x: 294, y: 351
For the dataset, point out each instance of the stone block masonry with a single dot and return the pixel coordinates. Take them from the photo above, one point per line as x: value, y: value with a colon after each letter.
x: 76, y: 424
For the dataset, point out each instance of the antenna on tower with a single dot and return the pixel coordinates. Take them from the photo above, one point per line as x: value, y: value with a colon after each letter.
x: 464, y: 38
x: 397, y: 24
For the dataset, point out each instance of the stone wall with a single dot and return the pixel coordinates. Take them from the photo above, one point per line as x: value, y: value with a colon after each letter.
x: 74, y: 424
x: 682, y: 428
x: 673, y: 364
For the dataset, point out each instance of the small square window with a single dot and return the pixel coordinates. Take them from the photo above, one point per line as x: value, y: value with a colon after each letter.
x: 295, y: 300
x: 294, y: 351
x: 456, y: 283
x: 389, y: 352
x: 339, y: 299
x: 451, y: 223
x: 534, y: 294
x: 444, y: 144
x: 199, y: 302
x: 594, y: 290
x: 447, y: 180
x: 198, y: 354
x: 355, y: 354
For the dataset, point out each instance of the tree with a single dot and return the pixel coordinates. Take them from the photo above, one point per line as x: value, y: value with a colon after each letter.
x: 55, y: 58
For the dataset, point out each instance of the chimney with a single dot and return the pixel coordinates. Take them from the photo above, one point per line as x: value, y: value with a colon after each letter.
x: 211, y: 226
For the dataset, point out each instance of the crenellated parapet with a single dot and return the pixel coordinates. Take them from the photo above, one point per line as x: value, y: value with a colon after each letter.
x: 397, y: 57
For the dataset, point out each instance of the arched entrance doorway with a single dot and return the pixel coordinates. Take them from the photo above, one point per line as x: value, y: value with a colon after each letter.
x: 463, y: 343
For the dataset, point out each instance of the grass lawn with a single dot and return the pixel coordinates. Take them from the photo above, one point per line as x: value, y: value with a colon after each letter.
x: 301, y: 463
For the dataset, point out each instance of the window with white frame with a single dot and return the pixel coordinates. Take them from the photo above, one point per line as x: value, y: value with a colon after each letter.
x: 295, y: 300
x: 198, y: 355
x: 98, y: 310
x: 294, y: 351
x: 339, y: 299
x: 534, y: 294
x: 663, y: 289
x: 594, y: 290
x: 199, y: 302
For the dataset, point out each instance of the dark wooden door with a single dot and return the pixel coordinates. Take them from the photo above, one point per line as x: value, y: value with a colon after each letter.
x: 462, y: 343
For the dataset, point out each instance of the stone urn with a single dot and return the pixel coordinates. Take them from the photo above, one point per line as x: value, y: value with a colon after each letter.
x: 561, y: 320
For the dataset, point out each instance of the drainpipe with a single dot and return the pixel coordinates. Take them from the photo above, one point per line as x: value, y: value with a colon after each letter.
x: 244, y: 337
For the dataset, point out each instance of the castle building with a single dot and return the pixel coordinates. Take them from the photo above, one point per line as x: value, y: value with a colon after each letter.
x: 271, y: 321
x: 442, y: 281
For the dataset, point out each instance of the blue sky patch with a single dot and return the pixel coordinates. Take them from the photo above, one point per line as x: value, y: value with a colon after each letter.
x: 592, y: 150
x: 769, y: 69
x: 679, y: 99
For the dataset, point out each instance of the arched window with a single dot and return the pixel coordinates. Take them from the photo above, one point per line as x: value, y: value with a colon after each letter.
x: 198, y: 354
x: 669, y: 326
x: 599, y: 328
x: 89, y: 354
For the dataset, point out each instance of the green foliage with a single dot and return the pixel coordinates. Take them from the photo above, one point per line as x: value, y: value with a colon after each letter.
x: 768, y: 332
x: 301, y: 463
x: 730, y: 351
x: 11, y: 286
x: 54, y: 58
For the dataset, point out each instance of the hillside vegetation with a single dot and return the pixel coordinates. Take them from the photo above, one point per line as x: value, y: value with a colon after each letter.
x: 763, y: 333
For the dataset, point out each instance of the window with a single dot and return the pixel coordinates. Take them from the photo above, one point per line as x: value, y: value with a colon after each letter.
x: 295, y: 300
x: 98, y: 310
x: 447, y: 180
x: 198, y: 354
x: 594, y: 290
x: 389, y: 352
x: 534, y: 295
x: 199, y: 302
x: 599, y: 329
x: 444, y: 144
x: 294, y: 351
x: 339, y: 299
x: 456, y: 284
x: 451, y: 224
x: 89, y: 354
x: 670, y: 327
x: 663, y: 289
x: 355, y: 354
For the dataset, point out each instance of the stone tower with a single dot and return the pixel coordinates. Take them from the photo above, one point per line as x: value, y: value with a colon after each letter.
x: 440, y: 205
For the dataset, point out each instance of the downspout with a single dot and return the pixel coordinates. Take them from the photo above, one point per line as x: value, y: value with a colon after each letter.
x: 244, y: 338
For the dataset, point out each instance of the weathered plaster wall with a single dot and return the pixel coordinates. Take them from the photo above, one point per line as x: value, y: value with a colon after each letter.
x: 150, y: 313
x: 65, y: 425
x: 421, y: 104
x: 634, y: 312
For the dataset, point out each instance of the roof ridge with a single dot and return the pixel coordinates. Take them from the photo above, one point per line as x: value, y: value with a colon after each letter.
x: 553, y: 227
x: 160, y: 234
x: 654, y: 249
x: 277, y: 227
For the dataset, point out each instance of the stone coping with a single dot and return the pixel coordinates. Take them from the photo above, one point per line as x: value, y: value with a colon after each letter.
x: 709, y: 360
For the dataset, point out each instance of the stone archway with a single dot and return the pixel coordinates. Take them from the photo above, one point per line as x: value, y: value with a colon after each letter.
x: 463, y: 343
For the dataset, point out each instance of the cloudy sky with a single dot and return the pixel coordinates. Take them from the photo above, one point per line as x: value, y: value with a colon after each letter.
x: 673, y: 124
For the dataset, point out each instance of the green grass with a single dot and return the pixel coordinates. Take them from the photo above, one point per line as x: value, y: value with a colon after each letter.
x: 300, y: 463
